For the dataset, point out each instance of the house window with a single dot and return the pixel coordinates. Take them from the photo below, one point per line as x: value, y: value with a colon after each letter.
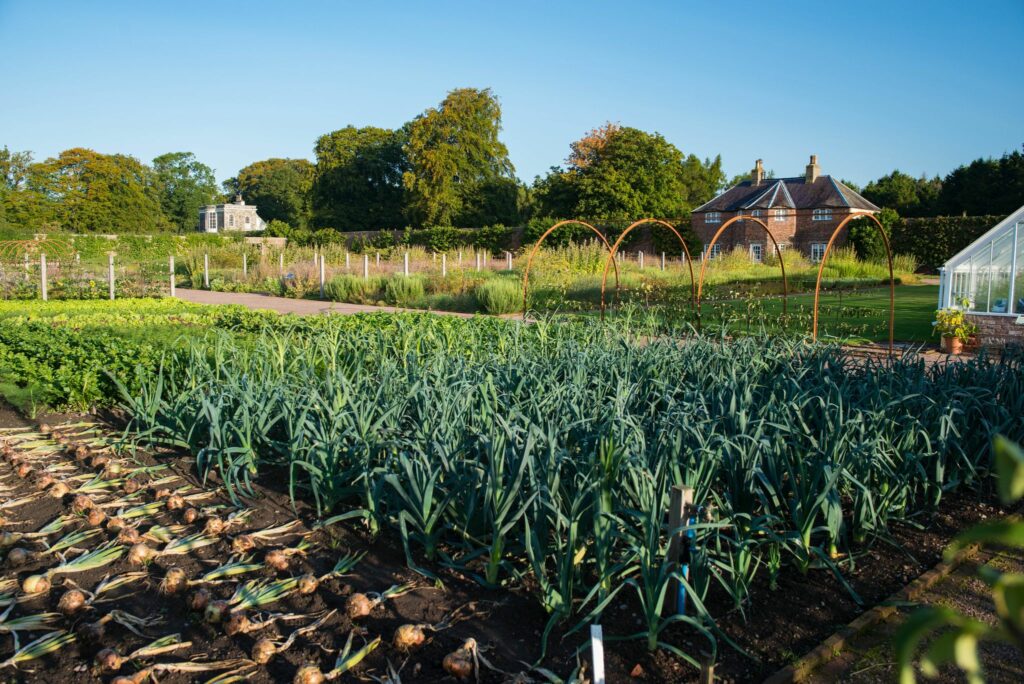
x: 780, y: 214
x: 757, y: 213
x: 247, y: 221
x: 822, y: 215
x: 756, y: 252
x: 211, y: 221
x: 713, y: 217
x: 817, y: 251
x: 715, y: 251
x: 231, y: 221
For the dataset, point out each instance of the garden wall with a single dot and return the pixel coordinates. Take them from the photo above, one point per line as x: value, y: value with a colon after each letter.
x: 999, y: 332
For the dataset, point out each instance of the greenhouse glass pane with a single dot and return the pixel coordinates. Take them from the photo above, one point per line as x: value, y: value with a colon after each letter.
x: 1002, y: 260
x: 961, y: 285
x: 1018, y: 286
x: 982, y: 270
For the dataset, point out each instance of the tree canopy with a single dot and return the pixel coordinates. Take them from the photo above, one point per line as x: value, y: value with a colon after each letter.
x: 907, y: 195
x: 280, y: 189
x: 184, y: 184
x: 357, y: 183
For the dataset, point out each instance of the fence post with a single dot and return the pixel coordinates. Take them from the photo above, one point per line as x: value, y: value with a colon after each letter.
x: 662, y: 261
x: 322, y: 277
x: 42, y: 276
x: 366, y: 267
x: 171, y: 269
x: 280, y: 263
x: 245, y: 265
x: 679, y: 511
x: 478, y: 261
x: 346, y: 261
x: 405, y: 268
x: 640, y: 257
x: 378, y: 260
x: 444, y: 265
x: 460, y: 258
x: 508, y: 258
x: 206, y: 271
x: 110, y: 274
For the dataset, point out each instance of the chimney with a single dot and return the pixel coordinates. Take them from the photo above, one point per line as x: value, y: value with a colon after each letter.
x: 758, y: 173
x: 813, y: 170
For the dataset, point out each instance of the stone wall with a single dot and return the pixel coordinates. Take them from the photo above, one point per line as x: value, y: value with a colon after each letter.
x: 997, y: 332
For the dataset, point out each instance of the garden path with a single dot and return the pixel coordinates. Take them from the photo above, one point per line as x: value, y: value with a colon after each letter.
x: 301, y: 307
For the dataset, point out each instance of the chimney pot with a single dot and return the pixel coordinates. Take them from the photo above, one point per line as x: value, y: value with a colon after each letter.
x: 813, y: 170
x: 758, y: 172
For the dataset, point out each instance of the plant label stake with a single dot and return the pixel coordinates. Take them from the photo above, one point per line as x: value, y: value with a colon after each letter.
x: 680, y: 505
x: 366, y: 267
x: 42, y: 275
x: 170, y: 267
x: 110, y: 274
x: 597, y: 652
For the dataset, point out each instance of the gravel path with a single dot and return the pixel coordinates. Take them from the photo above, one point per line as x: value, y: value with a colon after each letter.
x: 301, y: 307
x: 869, y: 657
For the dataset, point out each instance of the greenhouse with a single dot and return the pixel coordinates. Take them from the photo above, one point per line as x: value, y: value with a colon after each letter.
x: 988, y: 276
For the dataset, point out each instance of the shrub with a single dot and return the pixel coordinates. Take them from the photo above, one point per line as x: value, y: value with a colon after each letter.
x: 350, y: 288
x: 401, y: 290
x: 499, y: 296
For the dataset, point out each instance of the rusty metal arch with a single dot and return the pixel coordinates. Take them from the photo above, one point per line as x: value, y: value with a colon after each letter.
x: 14, y: 247
x: 540, y: 240
x: 615, y: 248
x: 892, y: 281
x: 778, y: 252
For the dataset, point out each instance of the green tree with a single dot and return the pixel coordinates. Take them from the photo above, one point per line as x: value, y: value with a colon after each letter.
x: 184, y: 185
x: 280, y: 189
x: 907, y: 195
x: 455, y: 159
x: 20, y: 205
x: 864, y: 235
x: 357, y: 182
x: 985, y: 186
x: 100, y: 193
x: 626, y: 173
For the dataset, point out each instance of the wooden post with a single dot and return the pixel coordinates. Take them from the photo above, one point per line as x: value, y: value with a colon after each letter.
x: 366, y: 267
x: 597, y: 653
x: 206, y: 271
x: 280, y: 263
x: 460, y: 258
x: 323, y: 273
x: 378, y: 260
x: 405, y: 267
x: 42, y: 276
x: 508, y: 261
x: 171, y: 271
x: 110, y: 274
x: 346, y: 261
x: 478, y: 261
x: 640, y: 257
x: 662, y: 261
x: 444, y: 265
x: 680, y: 505
x: 245, y: 265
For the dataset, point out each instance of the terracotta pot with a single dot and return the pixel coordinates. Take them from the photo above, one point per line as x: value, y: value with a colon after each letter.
x: 953, y: 345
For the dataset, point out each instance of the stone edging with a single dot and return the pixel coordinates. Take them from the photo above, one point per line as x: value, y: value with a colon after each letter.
x: 833, y: 646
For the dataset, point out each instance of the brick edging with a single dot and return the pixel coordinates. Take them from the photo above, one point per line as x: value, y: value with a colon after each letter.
x: 832, y: 646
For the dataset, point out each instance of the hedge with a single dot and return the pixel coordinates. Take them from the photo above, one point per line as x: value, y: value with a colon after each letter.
x: 934, y: 240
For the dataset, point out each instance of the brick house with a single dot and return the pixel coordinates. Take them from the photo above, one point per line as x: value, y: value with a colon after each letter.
x: 234, y: 216
x: 801, y: 213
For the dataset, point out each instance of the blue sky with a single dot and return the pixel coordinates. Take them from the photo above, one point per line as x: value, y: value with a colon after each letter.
x: 868, y: 86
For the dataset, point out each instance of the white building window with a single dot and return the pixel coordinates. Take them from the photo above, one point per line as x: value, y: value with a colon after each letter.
x: 780, y: 214
x: 247, y: 221
x: 715, y: 251
x: 713, y: 217
x: 757, y: 213
x: 211, y: 221
x: 756, y: 252
x: 817, y: 251
x: 822, y: 215
x: 231, y: 221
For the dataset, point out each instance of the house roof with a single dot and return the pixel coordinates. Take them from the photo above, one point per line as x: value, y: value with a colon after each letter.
x: 792, y: 193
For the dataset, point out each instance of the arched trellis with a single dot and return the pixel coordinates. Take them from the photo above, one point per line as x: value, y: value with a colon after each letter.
x: 892, y: 281
x: 540, y: 241
x: 615, y: 248
x: 12, y: 248
x: 718, y: 233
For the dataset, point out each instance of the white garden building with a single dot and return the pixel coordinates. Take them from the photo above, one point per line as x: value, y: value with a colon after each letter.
x: 988, y: 278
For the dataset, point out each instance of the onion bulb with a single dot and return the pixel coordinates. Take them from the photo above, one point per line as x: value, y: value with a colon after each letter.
x: 215, y: 611
x: 359, y: 606
x: 263, y: 651
x: 199, y: 599
x: 162, y: 493
x: 189, y: 515
x: 175, y: 502
x: 91, y: 632
x: 72, y: 602
x: 129, y: 535
x: 81, y: 503
x: 140, y: 554
x: 214, y: 526
x: 59, y: 490
x: 408, y: 637
x: 237, y: 623
x: 45, y: 428
x: 459, y: 663
x: 308, y: 584
x: 130, y: 486
x: 116, y: 524
x: 174, y: 582
x: 82, y: 453
x: 95, y: 517
x: 276, y: 559
x: 17, y: 557
x: 243, y: 543
x: 112, y: 470
x: 308, y: 674
x: 24, y: 470
x: 109, y: 661
x: 99, y: 461
x: 9, y: 538
x: 35, y: 584
x: 43, y: 480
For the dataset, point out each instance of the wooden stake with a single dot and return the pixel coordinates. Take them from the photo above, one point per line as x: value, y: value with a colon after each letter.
x: 171, y: 272
x: 110, y: 274
x: 245, y: 265
x: 322, y: 276
x: 42, y: 276
x: 406, y: 264
x: 366, y: 267
x: 444, y: 265
x: 206, y: 271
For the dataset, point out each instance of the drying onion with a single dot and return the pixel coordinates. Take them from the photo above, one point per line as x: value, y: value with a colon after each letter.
x: 276, y: 559
x: 59, y: 490
x: 112, y: 470
x: 215, y: 611
x: 109, y: 661
x: 129, y: 535
x: 23, y: 470
x: 9, y: 538
x: 459, y: 663
x: 162, y: 493
x: 72, y: 602
x: 189, y: 515
x: 263, y: 651
x: 408, y: 637
x: 174, y: 582
x: 308, y: 584
x: 237, y: 623
x: 130, y: 486
x: 308, y: 674
x: 359, y: 606
x: 199, y: 599
x: 35, y: 584
x: 17, y: 557
x: 81, y: 503
x: 214, y: 526
x: 243, y: 543
x: 175, y: 502
x: 43, y: 480
x: 95, y: 517
x: 140, y: 554
x: 82, y: 452
x: 91, y: 632
x: 99, y: 461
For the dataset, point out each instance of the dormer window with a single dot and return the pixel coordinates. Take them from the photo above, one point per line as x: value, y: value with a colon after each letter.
x: 713, y: 217
x: 822, y: 215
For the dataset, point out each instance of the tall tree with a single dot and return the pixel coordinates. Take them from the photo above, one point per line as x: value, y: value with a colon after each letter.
x: 621, y: 173
x: 454, y: 153
x: 985, y: 186
x: 357, y: 181
x: 279, y: 188
x: 100, y: 193
x: 184, y: 185
x: 907, y: 195
x: 20, y: 205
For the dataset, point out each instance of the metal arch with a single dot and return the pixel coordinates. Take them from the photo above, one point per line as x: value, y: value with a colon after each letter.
x: 778, y: 252
x: 540, y: 240
x: 892, y: 281
x: 615, y: 249
x: 13, y: 247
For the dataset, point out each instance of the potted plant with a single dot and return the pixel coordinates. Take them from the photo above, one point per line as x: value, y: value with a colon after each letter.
x: 954, y: 328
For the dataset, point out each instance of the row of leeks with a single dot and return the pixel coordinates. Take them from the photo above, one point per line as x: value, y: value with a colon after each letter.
x: 550, y: 449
